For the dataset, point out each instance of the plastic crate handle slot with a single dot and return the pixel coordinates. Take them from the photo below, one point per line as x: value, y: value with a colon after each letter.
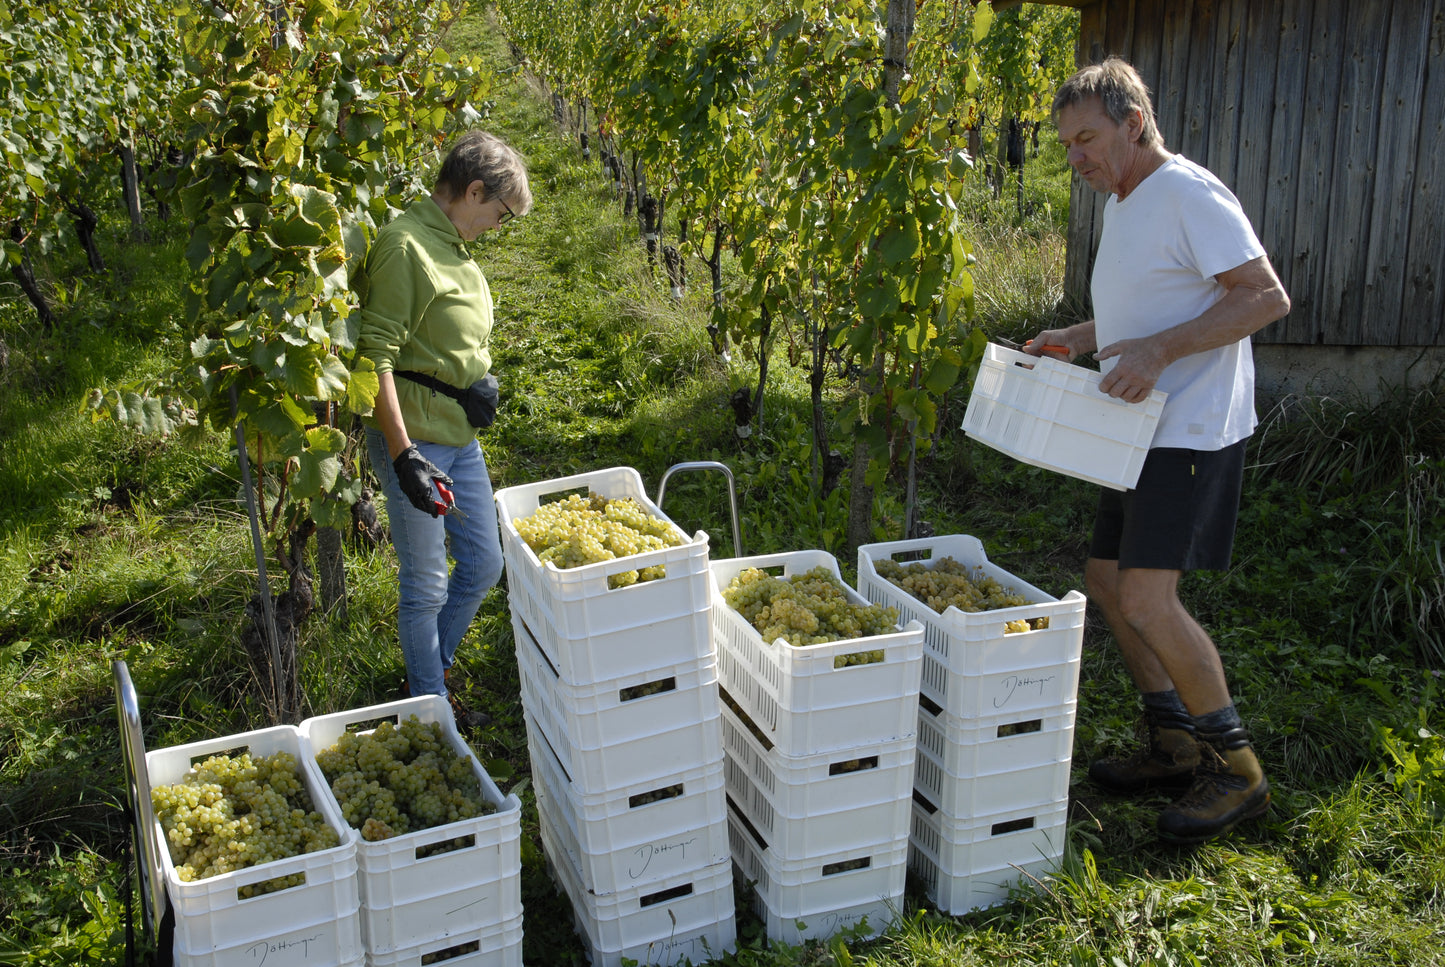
x: 449, y: 844
x: 1011, y: 826
x: 660, y: 794
x: 852, y: 765
x: 1020, y: 728
x: 270, y: 886
x: 922, y: 800
x: 363, y: 726
x: 847, y: 866
x: 662, y: 896
x: 634, y: 692
x: 452, y: 953
x: 929, y: 705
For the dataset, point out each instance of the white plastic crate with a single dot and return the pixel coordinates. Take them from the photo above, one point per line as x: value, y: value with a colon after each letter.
x: 624, y: 730
x: 1051, y: 414
x: 494, y: 945
x: 816, y: 805
x: 964, y: 866
x: 591, y: 632
x: 797, y: 696
x: 972, y: 767
x: 685, y: 919
x: 315, y: 924
x: 816, y: 898
x: 971, y: 666
x: 637, y: 834
x: 408, y: 898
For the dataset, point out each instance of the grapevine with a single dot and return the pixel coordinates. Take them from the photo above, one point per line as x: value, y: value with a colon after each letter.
x: 229, y: 813
x: 807, y: 609
x: 576, y: 531
x: 949, y: 584
x: 397, y: 780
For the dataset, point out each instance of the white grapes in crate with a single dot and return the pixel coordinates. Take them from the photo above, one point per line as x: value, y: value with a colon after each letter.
x: 947, y: 583
x: 397, y: 780
x: 229, y: 813
x: 807, y: 609
x: 575, y: 531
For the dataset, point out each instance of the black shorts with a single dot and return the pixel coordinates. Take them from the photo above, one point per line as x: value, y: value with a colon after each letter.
x: 1179, y: 517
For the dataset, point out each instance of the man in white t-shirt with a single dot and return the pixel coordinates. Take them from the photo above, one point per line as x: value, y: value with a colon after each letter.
x: 1180, y: 284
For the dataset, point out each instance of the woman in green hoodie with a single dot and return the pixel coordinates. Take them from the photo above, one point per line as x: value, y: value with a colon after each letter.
x: 426, y: 324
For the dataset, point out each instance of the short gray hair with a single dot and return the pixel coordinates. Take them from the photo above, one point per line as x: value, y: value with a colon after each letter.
x: 1120, y: 91
x: 479, y: 156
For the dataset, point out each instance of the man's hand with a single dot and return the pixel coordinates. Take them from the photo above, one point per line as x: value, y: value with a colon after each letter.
x: 1139, y: 367
x: 416, y: 474
x: 1065, y: 344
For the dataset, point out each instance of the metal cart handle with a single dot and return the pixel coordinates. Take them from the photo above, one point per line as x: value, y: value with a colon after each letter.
x: 133, y: 755
x: 732, y: 492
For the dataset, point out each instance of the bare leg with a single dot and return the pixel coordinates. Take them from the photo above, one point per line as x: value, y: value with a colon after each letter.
x: 1148, y: 602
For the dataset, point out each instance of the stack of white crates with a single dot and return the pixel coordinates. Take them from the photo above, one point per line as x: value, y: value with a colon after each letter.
x: 995, y: 729
x: 311, y: 923
x: 620, y: 692
x: 819, y: 763
x: 448, y: 894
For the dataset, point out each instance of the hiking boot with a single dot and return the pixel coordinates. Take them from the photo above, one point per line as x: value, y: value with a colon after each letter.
x: 1168, y: 758
x: 1229, y: 787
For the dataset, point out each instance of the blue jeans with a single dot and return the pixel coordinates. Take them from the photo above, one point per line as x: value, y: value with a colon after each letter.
x: 434, y: 607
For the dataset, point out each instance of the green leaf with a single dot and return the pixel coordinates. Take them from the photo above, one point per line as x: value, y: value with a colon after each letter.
x: 944, y: 372
x: 982, y: 20
x: 901, y: 242
x: 225, y: 280
x: 315, y: 474
x: 878, y: 298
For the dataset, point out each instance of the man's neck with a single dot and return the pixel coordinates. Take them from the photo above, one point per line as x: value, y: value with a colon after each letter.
x: 1146, y: 162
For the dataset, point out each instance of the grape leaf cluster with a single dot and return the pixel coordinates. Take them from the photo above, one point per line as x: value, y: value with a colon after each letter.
x: 575, y: 531
x: 232, y: 812
x: 807, y: 609
x: 396, y: 780
x: 950, y: 584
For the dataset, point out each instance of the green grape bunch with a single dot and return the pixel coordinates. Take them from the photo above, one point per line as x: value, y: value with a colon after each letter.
x: 395, y: 780
x: 575, y: 531
x: 808, y: 609
x: 228, y: 813
x: 949, y: 583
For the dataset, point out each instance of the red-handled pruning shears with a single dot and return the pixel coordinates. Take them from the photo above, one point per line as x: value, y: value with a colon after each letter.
x: 1050, y: 348
x: 448, y: 503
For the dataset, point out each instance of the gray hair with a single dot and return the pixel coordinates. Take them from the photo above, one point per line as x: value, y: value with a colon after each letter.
x: 1120, y: 91
x: 479, y: 156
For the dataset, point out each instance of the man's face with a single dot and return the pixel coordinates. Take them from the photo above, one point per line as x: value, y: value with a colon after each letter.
x: 1099, y: 149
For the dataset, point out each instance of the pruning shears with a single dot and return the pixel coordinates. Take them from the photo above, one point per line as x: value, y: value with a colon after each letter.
x: 448, y: 504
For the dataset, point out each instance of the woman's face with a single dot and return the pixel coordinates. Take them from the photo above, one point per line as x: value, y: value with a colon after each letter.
x: 475, y: 212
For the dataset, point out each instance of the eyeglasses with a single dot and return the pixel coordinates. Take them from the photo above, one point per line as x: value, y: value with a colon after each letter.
x: 507, y: 214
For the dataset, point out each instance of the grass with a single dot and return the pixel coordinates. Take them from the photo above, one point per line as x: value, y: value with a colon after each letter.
x: 122, y: 547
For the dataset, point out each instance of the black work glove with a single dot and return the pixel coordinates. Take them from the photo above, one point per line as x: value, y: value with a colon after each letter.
x: 416, y: 474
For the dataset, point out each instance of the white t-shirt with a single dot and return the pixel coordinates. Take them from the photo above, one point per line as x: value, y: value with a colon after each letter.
x: 1161, y: 248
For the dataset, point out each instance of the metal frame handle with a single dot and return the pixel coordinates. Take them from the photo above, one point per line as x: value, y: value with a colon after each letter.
x: 133, y: 756
x: 732, y: 492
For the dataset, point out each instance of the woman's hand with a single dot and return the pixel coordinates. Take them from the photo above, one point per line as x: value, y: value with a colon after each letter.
x: 417, y: 474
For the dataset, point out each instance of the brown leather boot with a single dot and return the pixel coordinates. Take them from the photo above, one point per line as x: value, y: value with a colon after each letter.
x: 1229, y: 787
x: 1167, y: 759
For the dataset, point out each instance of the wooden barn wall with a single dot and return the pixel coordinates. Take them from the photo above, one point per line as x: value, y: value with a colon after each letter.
x: 1327, y: 119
